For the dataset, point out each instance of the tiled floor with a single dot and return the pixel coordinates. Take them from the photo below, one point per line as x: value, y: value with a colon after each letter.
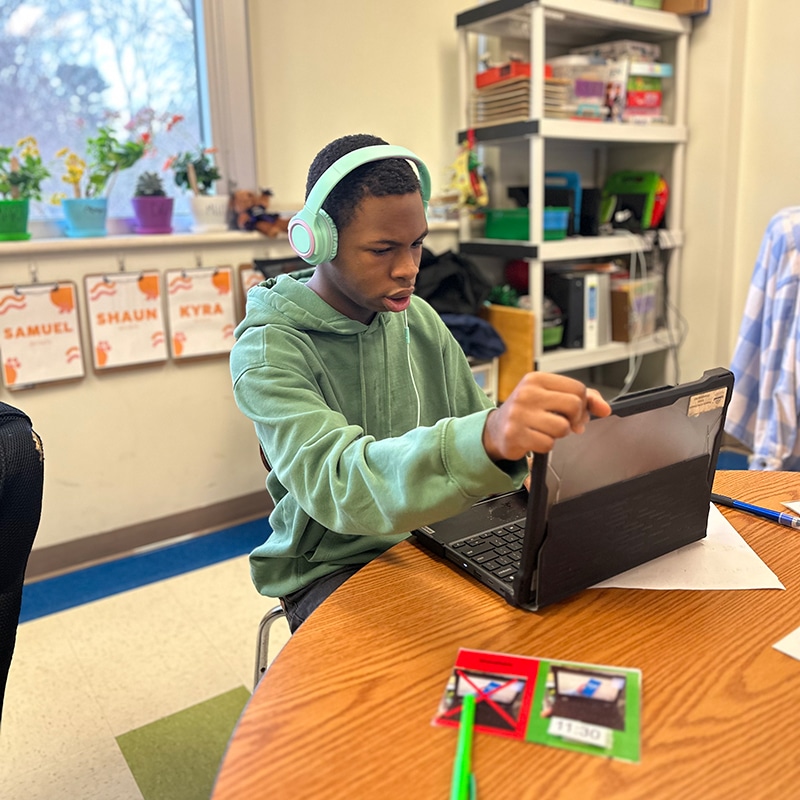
x: 81, y: 677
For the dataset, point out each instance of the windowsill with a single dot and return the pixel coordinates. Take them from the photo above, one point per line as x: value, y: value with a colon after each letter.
x: 129, y: 241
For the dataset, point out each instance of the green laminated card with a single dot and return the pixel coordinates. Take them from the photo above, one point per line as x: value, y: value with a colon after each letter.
x: 588, y: 708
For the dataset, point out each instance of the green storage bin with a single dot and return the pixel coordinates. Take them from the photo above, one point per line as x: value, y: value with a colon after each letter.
x: 512, y: 223
x: 507, y: 223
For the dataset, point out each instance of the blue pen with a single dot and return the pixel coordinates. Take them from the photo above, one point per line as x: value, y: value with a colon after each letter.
x: 789, y: 520
x: 463, y: 783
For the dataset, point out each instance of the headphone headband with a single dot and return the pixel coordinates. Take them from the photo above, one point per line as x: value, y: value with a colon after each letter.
x: 312, y: 233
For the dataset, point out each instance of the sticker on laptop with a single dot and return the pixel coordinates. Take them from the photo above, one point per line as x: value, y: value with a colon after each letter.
x: 589, y: 708
x: 707, y: 401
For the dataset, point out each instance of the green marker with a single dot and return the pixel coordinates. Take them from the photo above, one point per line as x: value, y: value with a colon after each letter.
x: 463, y: 785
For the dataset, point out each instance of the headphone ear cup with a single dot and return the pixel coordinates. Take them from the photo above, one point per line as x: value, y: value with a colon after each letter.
x: 313, y: 236
x: 328, y: 237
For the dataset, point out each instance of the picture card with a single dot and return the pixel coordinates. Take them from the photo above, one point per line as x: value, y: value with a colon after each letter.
x: 588, y: 708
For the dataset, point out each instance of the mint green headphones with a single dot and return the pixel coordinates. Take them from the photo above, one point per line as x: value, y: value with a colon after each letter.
x: 312, y: 233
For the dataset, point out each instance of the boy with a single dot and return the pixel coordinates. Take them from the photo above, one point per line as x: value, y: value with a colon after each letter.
x: 363, y: 402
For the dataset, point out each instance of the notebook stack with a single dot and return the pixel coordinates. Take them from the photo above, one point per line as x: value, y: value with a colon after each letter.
x: 502, y: 101
x: 558, y: 98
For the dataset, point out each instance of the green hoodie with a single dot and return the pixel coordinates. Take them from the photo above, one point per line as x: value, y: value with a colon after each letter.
x: 335, y: 410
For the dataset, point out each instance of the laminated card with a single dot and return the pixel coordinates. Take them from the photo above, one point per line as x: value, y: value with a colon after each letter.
x: 201, y: 311
x: 41, y: 339
x: 126, y: 321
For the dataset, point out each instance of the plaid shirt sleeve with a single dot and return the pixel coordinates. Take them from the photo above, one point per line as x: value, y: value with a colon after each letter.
x: 763, y: 413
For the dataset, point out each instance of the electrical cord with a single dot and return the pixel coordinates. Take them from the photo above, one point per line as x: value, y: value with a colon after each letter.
x: 638, y: 259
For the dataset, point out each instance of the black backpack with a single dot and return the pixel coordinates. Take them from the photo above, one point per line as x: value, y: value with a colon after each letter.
x: 451, y: 283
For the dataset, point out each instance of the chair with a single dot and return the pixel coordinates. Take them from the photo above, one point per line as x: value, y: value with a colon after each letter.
x: 262, y: 644
x: 21, y: 488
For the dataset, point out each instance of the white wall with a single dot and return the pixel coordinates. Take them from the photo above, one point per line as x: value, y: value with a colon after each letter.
x: 130, y: 446
x: 742, y: 162
x: 324, y: 70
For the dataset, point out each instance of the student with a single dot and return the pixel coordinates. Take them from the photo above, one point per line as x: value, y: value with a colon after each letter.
x: 364, y: 404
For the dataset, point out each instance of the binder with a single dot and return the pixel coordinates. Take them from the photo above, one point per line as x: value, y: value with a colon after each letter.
x: 597, y: 309
x: 584, y: 298
x: 567, y: 291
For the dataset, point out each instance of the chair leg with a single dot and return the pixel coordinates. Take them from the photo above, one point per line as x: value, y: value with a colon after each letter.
x: 262, y: 644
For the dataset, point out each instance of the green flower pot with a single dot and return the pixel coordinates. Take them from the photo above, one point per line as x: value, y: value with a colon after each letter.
x: 14, y: 220
x: 85, y: 216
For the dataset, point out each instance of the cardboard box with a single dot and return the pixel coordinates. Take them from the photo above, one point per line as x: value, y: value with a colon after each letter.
x: 686, y: 6
x: 516, y: 329
x: 634, y: 308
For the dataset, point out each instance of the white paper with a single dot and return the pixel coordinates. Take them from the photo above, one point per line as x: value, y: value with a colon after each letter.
x: 793, y: 507
x: 790, y: 645
x: 723, y: 560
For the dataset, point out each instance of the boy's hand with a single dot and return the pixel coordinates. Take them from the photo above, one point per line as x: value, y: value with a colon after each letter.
x: 542, y: 408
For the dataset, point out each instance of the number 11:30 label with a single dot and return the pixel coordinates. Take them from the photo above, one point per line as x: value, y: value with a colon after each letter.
x: 578, y: 731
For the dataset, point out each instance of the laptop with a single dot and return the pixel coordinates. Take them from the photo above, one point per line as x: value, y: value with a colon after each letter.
x: 592, y: 697
x: 632, y: 487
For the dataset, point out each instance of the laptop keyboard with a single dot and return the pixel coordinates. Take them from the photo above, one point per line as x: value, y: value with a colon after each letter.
x: 497, y: 550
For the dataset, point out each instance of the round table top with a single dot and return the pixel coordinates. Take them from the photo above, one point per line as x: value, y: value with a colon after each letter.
x: 346, y: 708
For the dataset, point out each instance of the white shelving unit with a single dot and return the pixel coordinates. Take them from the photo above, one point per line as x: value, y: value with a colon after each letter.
x: 541, y: 29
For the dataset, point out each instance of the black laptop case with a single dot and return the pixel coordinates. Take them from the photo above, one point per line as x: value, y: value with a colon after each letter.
x: 632, y: 487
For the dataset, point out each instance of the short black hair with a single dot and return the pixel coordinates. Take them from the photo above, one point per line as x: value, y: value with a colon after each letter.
x: 389, y: 176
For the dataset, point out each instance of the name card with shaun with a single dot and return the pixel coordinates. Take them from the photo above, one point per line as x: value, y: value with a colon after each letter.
x: 126, y: 322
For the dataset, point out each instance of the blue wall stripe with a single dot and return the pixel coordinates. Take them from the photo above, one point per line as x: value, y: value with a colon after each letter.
x: 103, y: 580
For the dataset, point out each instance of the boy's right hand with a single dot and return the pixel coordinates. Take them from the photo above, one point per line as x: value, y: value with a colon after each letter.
x: 542, y: 408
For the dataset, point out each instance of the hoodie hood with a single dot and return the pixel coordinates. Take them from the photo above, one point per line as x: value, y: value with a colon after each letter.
x: 287, y: 300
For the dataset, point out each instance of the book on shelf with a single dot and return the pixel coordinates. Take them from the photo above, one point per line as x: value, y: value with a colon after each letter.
x: 650, y: 68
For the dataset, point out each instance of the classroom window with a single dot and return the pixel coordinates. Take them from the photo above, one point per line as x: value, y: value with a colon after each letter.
x: 69, y: 66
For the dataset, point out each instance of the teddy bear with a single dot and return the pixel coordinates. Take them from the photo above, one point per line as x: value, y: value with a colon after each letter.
x: 250, y: 213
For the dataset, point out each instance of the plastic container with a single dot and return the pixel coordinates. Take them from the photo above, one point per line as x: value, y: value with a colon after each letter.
x: 513, y: 223
x: 507, y: 223
x: 504, y: 72
x: 556, y: 221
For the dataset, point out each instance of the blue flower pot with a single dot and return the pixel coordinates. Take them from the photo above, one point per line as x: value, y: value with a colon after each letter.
x: 85, y: 216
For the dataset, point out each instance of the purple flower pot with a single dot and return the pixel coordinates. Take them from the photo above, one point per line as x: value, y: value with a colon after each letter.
x: 153, y: 214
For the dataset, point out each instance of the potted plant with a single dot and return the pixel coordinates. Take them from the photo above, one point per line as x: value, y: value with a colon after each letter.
x: 107, y: 155
x: 21, y: 174
x: 151, y: 205
x: 194, y: 170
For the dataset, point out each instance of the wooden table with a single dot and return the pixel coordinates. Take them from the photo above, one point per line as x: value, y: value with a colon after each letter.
x: 345, y: 710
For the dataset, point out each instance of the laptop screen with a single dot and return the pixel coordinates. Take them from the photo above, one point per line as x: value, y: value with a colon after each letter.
x: 582, y: 684
x: 633, y: 486
x: 618, y: 448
